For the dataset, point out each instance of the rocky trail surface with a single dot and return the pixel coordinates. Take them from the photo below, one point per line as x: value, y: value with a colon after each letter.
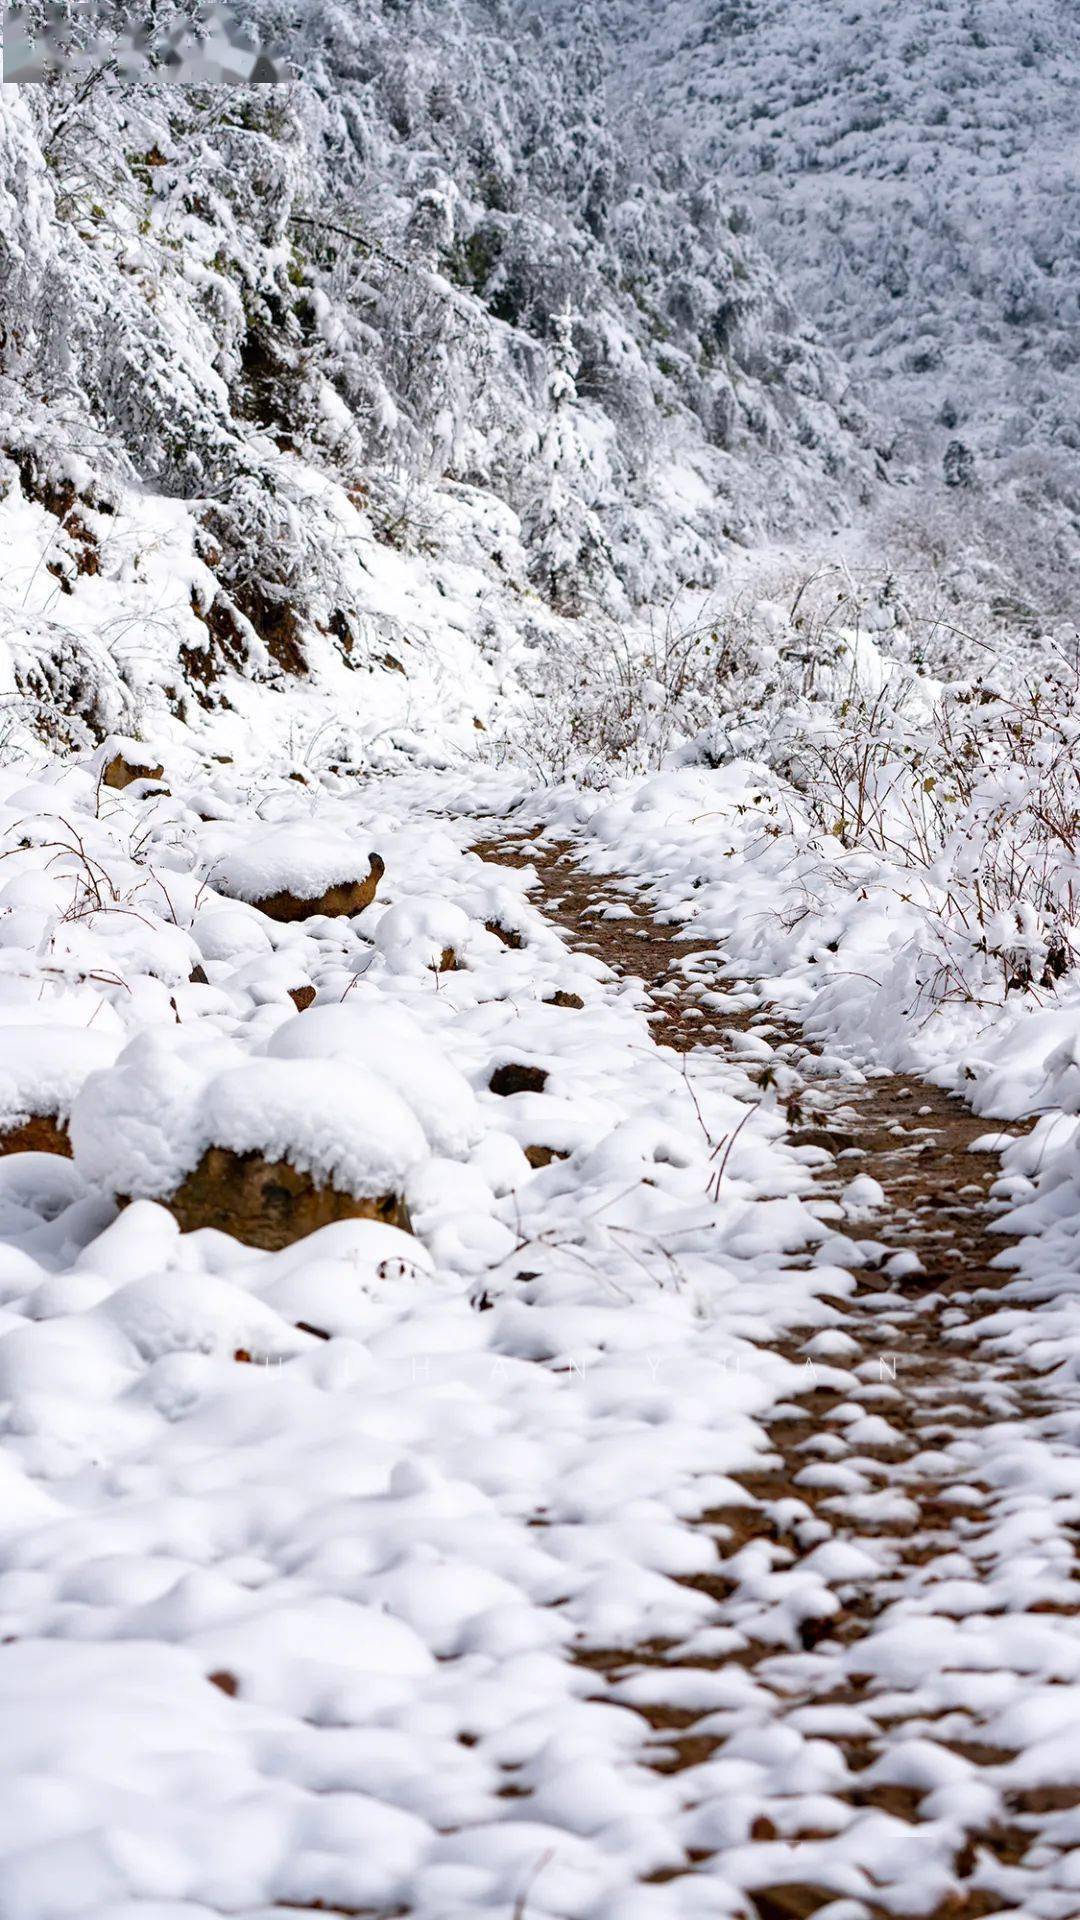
x: 928, y: 1694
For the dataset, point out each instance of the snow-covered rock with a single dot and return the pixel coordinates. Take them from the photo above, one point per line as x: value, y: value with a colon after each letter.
x: 144, y: 1127
x: 295, y: 872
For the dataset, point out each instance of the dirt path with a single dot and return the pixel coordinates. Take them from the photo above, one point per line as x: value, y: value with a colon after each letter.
x: 890, y: 1474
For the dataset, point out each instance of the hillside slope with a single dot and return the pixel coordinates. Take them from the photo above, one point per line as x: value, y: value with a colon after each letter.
x: 425, y: 303
x: 914, y: 173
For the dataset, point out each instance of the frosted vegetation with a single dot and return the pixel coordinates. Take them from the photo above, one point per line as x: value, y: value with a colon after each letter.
x: 290, y: 306
x: 912, y: 170
x: 441, y: 300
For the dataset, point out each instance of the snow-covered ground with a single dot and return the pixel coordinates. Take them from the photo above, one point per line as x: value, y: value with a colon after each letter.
x: 296, y: 1544
x: 388, y: 1536
x: 304, y: 1551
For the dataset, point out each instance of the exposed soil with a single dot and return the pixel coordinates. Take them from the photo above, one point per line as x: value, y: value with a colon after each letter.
x: 225, y: 649
x: 915, y: 1337
x: 42, y: 1133
x: 268, y: 1203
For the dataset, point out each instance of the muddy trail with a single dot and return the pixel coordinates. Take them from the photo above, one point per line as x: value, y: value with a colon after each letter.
x: 887, y: 1476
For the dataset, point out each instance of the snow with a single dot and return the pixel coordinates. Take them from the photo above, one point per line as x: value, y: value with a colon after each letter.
x: 373, y: 1566
x: 344, y: 1525
x: 43, y: 1067
x: 858, y: 942
x: 416, y: 933
x: 388, y: 1041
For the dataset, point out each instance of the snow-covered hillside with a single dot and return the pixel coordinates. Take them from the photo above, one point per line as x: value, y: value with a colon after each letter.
x: 914, y: 171
x: 428, y: 299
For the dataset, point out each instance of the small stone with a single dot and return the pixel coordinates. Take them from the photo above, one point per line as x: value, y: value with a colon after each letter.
x: 509, y: 936
x: 793, y: 1900
x: 516, y: 1077
x: 120, y: 773
x: 543, y: 1156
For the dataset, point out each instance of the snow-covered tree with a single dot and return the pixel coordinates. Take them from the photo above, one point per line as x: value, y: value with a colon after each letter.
x: 566, y: 542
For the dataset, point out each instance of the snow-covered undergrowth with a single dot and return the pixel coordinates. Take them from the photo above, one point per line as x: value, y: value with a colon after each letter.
x: 892, y: 856
x: 906, y: 773
x: 379, y: 1542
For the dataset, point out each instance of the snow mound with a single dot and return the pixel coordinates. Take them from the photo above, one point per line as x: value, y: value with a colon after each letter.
x: 386, y: 1040
x: 1033, y: 1066
x: 231, y: 933
x: 43, y: 1068
x: 420, y: 932
x: 339, y: 1123
x: 139, y: 1128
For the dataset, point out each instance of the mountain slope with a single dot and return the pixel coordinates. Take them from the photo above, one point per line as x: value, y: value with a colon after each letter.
x: 914, y: 173
x: 426, y: 298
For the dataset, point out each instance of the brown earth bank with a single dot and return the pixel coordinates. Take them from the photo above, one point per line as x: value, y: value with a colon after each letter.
x: 42, y: 1133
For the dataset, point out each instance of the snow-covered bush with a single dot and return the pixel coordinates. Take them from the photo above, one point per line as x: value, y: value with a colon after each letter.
x: 750, y: 673
x: 965, y: 789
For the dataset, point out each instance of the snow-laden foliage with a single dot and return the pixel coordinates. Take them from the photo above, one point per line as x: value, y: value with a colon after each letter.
x: 284, y: 307
x: 960, y: 786
x: 912, y: 171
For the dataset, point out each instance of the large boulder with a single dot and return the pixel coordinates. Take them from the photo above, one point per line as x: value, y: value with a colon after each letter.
x: 269, y: 1203
x: 345, y: 897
